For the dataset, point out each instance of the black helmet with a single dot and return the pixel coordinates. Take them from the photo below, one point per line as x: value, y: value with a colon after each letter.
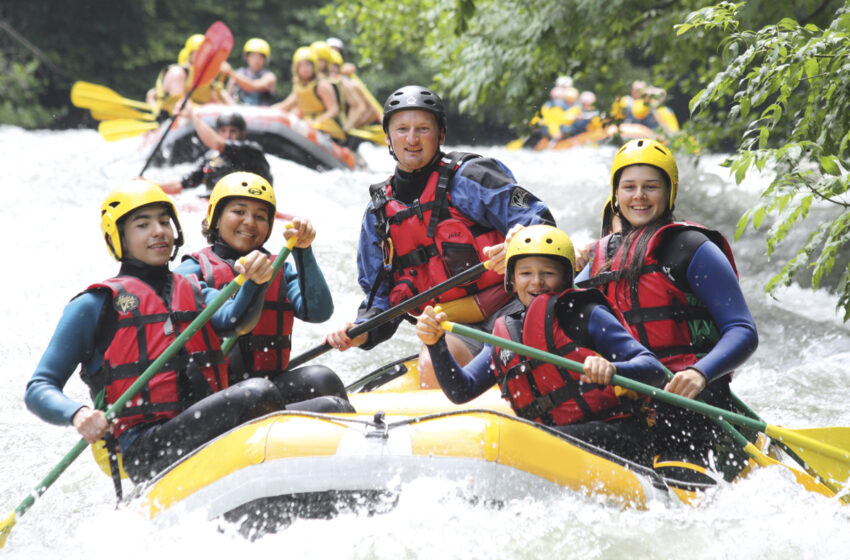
x: 414, y: 97
x: 231, y: 119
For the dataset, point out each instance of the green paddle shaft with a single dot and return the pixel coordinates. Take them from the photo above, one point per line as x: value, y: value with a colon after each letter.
x: 228, y: 343
x: 131, y: 392
x: 659, y: 394
x: 225, y: 294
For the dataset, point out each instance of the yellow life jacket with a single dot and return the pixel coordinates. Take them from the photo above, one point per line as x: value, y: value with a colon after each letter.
x: 311, y: 106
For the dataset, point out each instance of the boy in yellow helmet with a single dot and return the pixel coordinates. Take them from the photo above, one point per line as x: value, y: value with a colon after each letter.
x: 253, y: 84
x: 555, y: 317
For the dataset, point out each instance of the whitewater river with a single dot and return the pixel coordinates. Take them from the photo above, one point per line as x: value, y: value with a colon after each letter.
x: 53, y: 185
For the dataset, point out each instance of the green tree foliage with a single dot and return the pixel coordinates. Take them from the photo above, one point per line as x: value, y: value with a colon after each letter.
x: 790, y: 84
x: 124, y: 45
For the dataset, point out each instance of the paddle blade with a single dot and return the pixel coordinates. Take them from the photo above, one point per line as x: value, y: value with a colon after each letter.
x: 106, y: 113
x: 821, y: 459
x: 120, y: 129
x: 218, y: 41
x: 372, y: 133
x: 5, y: 528
x: 92, y: 96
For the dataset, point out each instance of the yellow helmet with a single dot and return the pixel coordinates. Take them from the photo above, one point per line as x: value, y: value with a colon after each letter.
x: 125, y: 199
x: 644, y: 151
x: 321, y: 51
x: 258, y: 46
x: 193, y: 43
x: 241, y: 184
x: 640, y: 109
x: 336, y: 57
x: 302, y: 54
x: 539, y: 241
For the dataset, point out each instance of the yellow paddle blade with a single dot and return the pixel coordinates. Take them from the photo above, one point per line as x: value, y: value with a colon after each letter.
x: 516, y: 144
x: 120, y: 129
x: 5, y: 528
x: 825, y: 450
x: 806, y: 480
x: 90, y: 96
x: 374, y: 134
x: 106, y: 113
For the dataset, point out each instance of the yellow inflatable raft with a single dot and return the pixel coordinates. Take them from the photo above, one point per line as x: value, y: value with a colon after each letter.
x: 400, y: 434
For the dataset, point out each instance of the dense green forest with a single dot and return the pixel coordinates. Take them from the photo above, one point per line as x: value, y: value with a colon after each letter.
x: 766, y: 80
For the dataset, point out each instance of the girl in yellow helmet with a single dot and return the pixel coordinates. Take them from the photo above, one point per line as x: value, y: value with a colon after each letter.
x: 677, y: 286
x: 313, y: 97
x: 578, y: 324
x: 239, y: 220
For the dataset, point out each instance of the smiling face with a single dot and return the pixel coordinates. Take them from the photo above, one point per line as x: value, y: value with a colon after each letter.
x: 642, y: 194
x: 305, y: 70
x: 244, y: 224
x: 533, y: 276
x: 148, y: 235
x: 415, y: 138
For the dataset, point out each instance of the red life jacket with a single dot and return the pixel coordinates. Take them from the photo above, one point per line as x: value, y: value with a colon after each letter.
x: 540, y: 391
x: 146, y: 327
x: 266, y: 349
x: 430, y: 241
x: 670, y: 322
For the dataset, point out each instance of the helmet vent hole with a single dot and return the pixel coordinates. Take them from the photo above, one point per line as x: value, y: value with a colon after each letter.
x: 114, y: 204
x: 549, y: 241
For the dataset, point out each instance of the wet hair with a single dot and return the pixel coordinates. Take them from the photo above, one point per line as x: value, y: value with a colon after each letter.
x: 231, y: 119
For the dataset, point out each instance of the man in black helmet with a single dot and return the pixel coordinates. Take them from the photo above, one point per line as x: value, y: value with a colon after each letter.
x: 229, y: 152
x: 438, y: 215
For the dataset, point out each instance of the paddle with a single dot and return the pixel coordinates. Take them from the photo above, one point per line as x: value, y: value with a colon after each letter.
x: 118, y: 112
x: 225, y: 294
x: 831, y: 462
x: 120, y: 129
x: 276, y: 266
x: 92, y: 96
x: 372, y: 133
x: 394, y: 312
x: 208, y: 58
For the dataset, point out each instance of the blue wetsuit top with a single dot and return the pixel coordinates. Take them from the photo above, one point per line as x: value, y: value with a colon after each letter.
x: 75, y: 342
x: 722, y: 296
x: 482, y: 189
x: 306, y: 287
x: 602, y: 333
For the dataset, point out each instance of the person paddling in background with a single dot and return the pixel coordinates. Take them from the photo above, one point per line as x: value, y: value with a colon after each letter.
x: 239, y: 221
x: 253, y: 84
x: 116, y: 328
x: 577, y: 324
x: 313, y: 98
x: 230, y: 151
x: 438, y: 215
x: 677, y: 287
x: 174, y: 81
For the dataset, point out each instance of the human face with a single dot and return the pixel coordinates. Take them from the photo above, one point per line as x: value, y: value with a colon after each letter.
x: 255, y: 60
x: 642, y: 194
x: 415, y: 136
x: 305, y: 70
x: 537, y: 275
x: 229, y: 132
x: 244, y: 224
x: 148, y: 235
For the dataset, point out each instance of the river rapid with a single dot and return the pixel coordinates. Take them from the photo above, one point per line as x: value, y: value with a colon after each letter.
x: 54, y: 183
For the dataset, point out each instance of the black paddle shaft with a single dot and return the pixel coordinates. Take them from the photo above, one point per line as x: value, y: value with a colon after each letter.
x: 394, y: 312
